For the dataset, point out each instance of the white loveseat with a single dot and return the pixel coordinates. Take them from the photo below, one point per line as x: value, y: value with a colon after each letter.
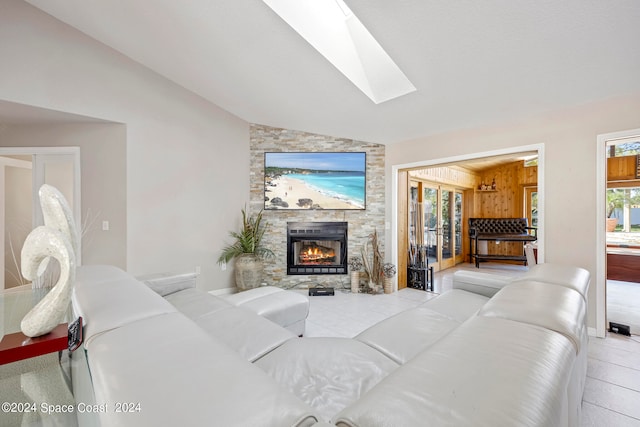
x: 517, y: 358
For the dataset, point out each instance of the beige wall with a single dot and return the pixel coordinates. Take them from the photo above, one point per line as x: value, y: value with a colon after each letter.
x: 180, y: 149
x: 569, y: 139
x: 103, y: 177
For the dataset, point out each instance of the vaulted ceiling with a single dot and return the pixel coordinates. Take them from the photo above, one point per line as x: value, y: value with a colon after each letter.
x: 473, y: 62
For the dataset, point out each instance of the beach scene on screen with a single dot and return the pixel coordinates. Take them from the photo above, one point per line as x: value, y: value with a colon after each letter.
x: 315, y: 180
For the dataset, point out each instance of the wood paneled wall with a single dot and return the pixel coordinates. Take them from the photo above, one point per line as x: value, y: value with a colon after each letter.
x: 506, y: 202
x: 621, y: 168
x: 621, y: 172
x: 508, y: 199
x: 457, y: 177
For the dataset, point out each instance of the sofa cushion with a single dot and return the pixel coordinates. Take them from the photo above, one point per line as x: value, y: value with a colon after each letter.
x: 286, y: 308
x: 244, y: 331
x: 562, y: 275
x: 251, y: 294
x: 252, y: 336
x: 167, y: 283
x: 327, y: 373
x: 457, y: 304
x: 108, y: 298
x: 182, y: 377
x: 406, y: 334
x: 480, y: 283
x: 488, y: 372
x: 195, y: 303
x: 550, y: 306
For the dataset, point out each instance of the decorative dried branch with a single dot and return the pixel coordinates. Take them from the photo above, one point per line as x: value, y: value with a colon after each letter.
x: 373, y: 266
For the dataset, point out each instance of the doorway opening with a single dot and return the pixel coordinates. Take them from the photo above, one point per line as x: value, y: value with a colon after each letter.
x: 23, y: 170
x: 432, y: 201
x: 622, y: 286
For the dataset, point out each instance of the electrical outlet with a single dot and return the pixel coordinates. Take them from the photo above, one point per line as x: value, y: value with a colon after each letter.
x: 197, y: 269
x: 223, y: 266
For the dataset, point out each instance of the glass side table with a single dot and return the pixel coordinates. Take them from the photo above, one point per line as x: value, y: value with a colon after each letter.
x: 14, y: 345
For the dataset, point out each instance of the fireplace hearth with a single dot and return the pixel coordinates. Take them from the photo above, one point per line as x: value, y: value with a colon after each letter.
x: 317, y: 248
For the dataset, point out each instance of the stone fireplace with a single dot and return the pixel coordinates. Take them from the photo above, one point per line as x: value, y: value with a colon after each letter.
x: 362, y: 222
x: 317, y: 248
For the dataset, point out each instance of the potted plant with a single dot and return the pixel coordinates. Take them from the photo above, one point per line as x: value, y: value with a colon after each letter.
x: 248, y: 252
x: 617, y: 198
x: 613, y: 202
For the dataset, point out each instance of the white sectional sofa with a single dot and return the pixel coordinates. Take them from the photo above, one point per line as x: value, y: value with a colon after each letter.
x: 516, y: 358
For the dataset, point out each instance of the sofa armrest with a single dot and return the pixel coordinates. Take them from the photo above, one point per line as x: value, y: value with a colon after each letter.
x: 480, y: 283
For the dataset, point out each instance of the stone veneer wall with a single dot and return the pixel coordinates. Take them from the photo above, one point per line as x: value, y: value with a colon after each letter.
x: 361, y: 222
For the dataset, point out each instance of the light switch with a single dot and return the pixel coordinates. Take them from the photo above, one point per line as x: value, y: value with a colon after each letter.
x: 105, y: 225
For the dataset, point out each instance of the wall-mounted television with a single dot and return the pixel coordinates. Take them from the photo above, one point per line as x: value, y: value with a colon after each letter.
x: 315, y: 180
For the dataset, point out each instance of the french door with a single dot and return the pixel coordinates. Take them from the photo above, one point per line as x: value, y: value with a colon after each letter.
x: 436, y: 223
x: 22, y: 171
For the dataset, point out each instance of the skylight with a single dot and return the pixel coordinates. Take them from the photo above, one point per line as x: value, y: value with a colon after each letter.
x: 332, y: 28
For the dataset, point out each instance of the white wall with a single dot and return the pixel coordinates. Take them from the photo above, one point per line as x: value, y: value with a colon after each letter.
x: 187, y: 159
x: 569, y: 139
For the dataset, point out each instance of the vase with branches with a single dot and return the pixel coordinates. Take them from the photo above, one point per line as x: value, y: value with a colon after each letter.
x: 355, y: 265
x: 372, y: 263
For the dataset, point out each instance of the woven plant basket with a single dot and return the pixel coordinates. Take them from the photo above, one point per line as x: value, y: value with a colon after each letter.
x: 388, y: 285
x: 355, y: 282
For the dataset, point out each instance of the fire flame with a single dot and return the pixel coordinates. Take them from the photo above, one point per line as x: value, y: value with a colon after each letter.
x: 317, y: 254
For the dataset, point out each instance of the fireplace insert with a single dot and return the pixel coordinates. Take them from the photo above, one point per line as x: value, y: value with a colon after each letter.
x: 317, y: 248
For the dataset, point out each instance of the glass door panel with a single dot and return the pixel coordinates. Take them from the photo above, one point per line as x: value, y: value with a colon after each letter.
x: 442, y: 209
x: 457, y: 215
x: 430, y: 205
x: 531, y: 205
x: 447, y: 227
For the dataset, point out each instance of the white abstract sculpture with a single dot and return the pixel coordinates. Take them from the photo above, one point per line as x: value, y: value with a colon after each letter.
x: 57, y: 214
x: 44, y: 242
x: 58, y: 238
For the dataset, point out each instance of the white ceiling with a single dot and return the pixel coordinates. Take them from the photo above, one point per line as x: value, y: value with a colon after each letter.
x: 473, y: 62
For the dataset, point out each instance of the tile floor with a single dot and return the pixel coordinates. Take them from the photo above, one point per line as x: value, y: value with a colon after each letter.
x: 612, y: 390
x: 623, y: 302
